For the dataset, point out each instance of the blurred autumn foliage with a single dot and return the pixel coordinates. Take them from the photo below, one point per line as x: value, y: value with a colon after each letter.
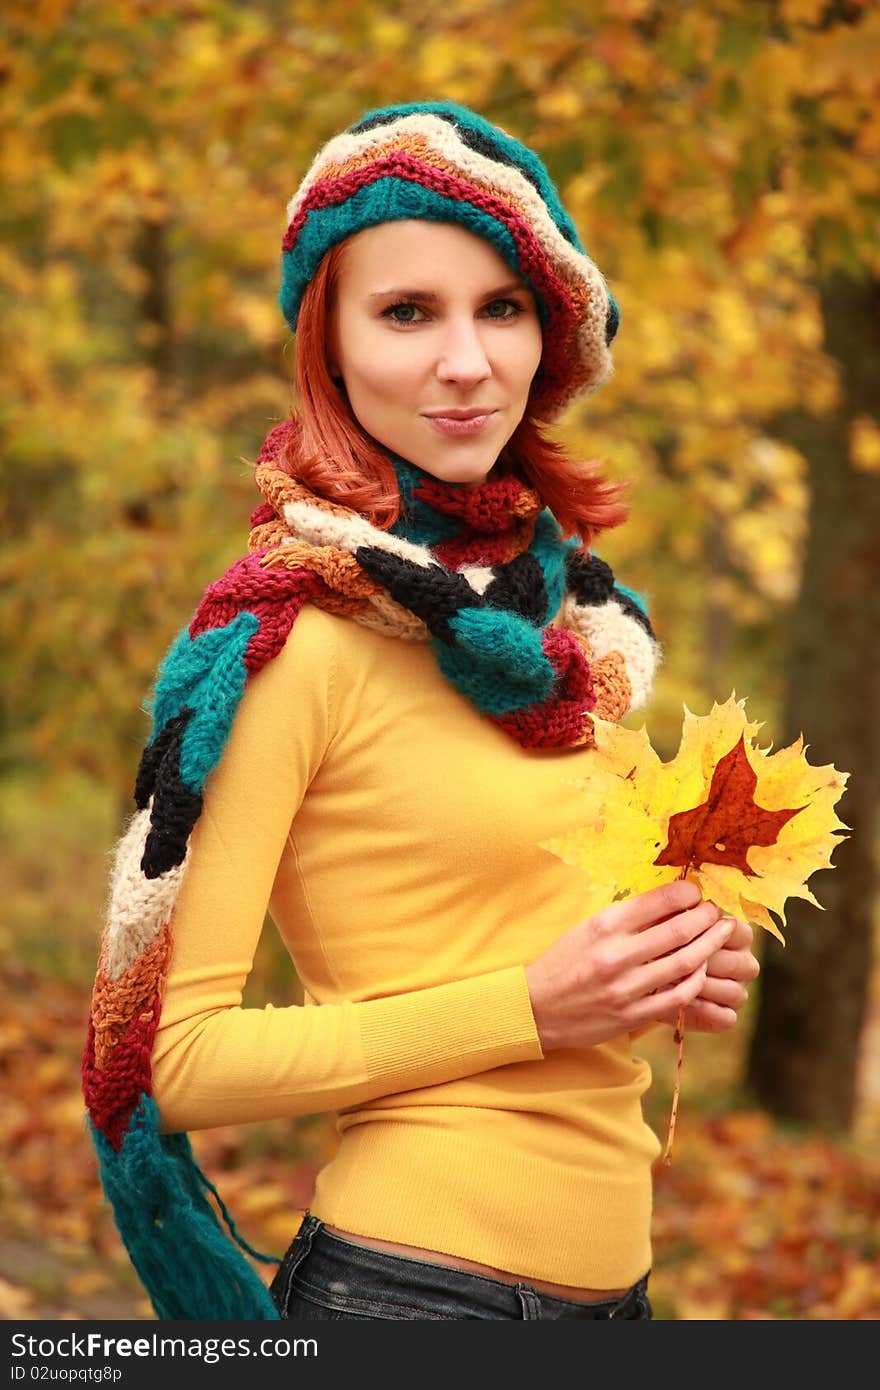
x: 751, y: 1221
x: 721, y: 162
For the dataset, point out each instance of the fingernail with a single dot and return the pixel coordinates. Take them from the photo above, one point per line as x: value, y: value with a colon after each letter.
x: 726, y: 929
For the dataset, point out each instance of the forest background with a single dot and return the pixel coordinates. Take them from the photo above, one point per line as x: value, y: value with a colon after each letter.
x: 721, y: 163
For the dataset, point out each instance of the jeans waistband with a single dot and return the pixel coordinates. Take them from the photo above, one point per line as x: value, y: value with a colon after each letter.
x: 392, y: 1280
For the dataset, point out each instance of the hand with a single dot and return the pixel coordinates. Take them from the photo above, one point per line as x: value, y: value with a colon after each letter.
x: 724, y: 991
x: 634, y: 963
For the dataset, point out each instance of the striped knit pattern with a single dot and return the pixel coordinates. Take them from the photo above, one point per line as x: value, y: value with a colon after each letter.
x: 440, y: 161
x: 479, y: 574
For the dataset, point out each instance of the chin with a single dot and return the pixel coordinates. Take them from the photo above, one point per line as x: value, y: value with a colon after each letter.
x: 457, y: 465
x: 466, y: 474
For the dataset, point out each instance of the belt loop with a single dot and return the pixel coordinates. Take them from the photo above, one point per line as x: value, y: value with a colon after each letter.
x: 529, y: 1301
x: 296, y: 1253
x: 309, y: 1228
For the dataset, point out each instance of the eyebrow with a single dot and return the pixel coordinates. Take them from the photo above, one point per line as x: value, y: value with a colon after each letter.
x: 428, y: 296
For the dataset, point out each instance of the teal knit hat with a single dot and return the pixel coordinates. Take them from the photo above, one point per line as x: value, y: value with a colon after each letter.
x: 442, y: 162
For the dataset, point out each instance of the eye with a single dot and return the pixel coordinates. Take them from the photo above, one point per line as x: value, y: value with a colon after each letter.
x: 404, y: 306
x: 511, y: 304
x: 404, y: 312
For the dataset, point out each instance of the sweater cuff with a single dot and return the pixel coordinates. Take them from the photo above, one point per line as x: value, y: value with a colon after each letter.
x: 428, y: 1036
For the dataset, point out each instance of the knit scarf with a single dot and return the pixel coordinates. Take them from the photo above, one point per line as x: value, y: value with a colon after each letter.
x: 537, y: 636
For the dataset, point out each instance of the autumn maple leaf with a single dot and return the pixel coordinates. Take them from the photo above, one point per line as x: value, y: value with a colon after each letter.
x: 748, y: 826
x: 755, y: 828
x: 728, y: 823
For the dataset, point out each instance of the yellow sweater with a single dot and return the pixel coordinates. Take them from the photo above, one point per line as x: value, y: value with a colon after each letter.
x: 394, y: 835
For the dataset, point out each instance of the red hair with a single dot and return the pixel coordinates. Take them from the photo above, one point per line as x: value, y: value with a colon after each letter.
x: 333, y: 456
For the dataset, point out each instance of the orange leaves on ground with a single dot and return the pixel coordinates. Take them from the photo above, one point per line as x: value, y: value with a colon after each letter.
x: 748, y: 826
x: 753, y: 1223
x: 60, y: 1253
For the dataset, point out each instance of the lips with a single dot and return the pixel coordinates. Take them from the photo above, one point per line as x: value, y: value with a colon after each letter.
x: 463, y: 426
x: 457, y: 414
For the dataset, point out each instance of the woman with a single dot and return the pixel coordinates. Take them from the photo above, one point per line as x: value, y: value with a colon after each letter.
x: 371, y: 724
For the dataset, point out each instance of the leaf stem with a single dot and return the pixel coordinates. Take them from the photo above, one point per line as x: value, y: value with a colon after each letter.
x: 678, y: 1037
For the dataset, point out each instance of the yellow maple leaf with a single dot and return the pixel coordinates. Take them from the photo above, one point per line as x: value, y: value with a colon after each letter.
x: 749, y: 827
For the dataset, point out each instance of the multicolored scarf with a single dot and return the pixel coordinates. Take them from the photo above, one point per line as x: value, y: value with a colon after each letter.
x: 535, y: 634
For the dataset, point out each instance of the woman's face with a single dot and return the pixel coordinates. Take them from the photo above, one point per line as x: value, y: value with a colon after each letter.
x: 428, y: 318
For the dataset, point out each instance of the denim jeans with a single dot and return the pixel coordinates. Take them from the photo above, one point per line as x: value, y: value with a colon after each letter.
x: 324, y: 1276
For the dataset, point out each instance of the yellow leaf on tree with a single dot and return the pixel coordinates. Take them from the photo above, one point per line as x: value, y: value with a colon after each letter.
x: 864, y: 444
x: 749, y: 827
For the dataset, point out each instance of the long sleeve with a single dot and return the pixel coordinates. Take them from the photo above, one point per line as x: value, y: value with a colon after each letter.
x: 395, y: 838
x: 216, y: 1062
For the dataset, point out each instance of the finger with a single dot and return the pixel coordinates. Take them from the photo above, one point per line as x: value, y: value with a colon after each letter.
x: 646, y: 909
x: 667, y: 1002
x: 707, y: 1017
x: 659, y: 974
x: 734, y: 965
x: 729, y: 993
x: 742, y: 935
x: 665, y: 938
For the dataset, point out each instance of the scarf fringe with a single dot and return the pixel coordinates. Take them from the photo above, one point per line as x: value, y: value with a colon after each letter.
x: 189, y: 1266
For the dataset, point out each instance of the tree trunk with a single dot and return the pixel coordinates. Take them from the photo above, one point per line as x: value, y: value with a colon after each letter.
x: 151, y: 254
x: 803, y: 1059
x: 717, y: 621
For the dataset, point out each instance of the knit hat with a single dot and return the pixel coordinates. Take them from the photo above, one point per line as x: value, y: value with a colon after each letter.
x: 441, y: 162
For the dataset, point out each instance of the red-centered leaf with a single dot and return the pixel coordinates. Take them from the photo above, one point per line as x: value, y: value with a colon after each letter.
x: 728, y: 823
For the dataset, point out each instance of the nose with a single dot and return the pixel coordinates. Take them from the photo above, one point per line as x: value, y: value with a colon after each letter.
x: 462, y: 355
